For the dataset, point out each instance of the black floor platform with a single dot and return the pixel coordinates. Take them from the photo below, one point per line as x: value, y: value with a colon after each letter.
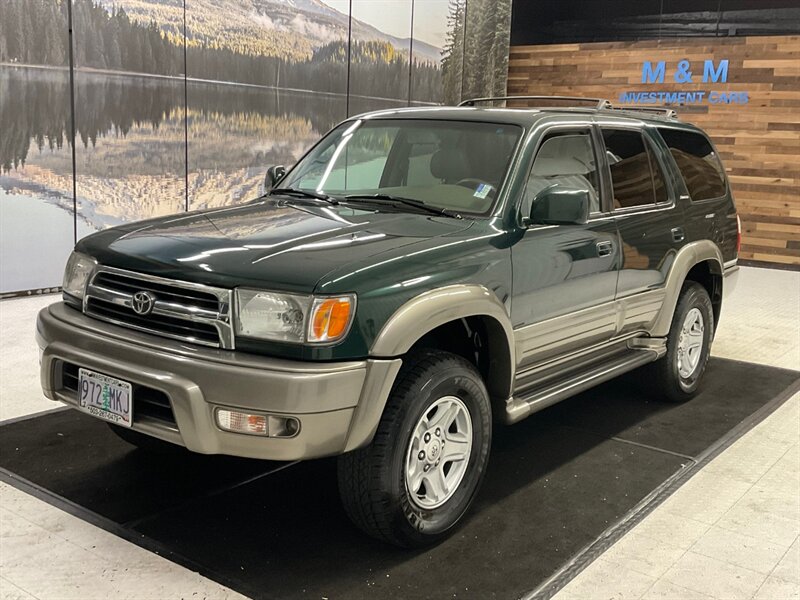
x: 556, y: 482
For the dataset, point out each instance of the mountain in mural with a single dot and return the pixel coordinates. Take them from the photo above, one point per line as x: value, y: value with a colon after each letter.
x: 290, y: 29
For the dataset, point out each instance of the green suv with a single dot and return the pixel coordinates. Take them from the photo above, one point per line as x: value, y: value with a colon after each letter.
x: 419, y: 276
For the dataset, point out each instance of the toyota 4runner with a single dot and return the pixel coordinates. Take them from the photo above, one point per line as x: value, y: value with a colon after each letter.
x: 416, y: 277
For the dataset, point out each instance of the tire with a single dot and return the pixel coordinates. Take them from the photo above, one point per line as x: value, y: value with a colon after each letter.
x: 375, y: 482
x: 141, y: 441
x: 678, y: 375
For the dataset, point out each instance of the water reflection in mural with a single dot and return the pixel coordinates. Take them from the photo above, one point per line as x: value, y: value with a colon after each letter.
x: 236, y: 132
x: 129, y: 151
x: 129, y: 148
x: 263, y: 85
x: 36, y: 207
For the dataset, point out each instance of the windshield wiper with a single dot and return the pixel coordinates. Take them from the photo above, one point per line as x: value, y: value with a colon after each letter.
x: 303, y: 194
x: 406, y: 201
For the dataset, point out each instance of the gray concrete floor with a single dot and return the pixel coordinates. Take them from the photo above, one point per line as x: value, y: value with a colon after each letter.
x: 730, y: 532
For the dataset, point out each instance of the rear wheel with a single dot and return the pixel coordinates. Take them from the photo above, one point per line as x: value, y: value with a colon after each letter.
x: 418, y: 477
x: 678, y: 375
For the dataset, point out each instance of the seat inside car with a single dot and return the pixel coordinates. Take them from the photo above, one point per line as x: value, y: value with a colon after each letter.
x: 450, y: 165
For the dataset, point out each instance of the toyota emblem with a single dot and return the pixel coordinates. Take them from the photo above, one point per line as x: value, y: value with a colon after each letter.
x: 143, y: 303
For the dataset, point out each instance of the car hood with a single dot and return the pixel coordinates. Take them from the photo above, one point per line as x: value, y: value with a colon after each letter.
x: 277, y: 244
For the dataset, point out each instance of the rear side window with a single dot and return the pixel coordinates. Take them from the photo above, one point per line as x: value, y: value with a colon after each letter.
x: 635, y: 175
x: 699, y: 165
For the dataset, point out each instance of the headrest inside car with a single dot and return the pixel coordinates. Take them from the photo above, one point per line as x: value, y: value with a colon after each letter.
x: 449, y: 165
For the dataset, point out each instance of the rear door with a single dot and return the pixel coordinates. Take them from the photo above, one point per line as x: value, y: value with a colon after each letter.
x: 565, y: 276
x: 648, y: 217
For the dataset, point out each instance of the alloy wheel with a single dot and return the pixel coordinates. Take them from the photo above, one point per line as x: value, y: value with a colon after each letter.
x: 438, y: 453
x: 690, y: 343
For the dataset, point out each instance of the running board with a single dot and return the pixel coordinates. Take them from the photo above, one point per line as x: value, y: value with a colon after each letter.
x: 640, y: 353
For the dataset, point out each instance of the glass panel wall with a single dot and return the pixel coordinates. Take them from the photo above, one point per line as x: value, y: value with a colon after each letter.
x: 379, y: 54
x: 262, y: 83
x: 129, y: 111
x: 36, y: 208
x: 262, y: 87
x: 431, y: 28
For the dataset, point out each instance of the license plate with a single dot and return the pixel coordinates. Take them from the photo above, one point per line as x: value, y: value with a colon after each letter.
x: 105, y: 397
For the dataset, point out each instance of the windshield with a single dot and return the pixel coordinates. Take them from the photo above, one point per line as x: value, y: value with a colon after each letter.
x: 452, y: 165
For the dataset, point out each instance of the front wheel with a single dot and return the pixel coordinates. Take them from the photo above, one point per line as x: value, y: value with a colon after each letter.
x: 677, y: 375
x: 418, y: 477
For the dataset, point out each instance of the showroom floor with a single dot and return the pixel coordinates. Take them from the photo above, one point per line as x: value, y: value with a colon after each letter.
x: 730, y: 532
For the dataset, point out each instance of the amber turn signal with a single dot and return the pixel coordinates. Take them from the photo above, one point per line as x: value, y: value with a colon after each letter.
x: 330, y: 318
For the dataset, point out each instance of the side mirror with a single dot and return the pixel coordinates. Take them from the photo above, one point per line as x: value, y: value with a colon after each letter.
x: 274, y: 175
x: 561, y: 205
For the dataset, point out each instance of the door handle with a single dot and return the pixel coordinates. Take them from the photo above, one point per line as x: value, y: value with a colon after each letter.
x: 677, y: 234
x: 605, y: 248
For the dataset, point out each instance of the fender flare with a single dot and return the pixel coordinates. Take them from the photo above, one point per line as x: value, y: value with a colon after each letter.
x: 687, y: 257
x: 424, y: 313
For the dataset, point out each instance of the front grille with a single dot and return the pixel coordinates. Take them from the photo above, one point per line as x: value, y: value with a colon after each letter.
x: 169, y: 293
x: 191, y: 331
x: 181, y: 310
x: 148, y: 403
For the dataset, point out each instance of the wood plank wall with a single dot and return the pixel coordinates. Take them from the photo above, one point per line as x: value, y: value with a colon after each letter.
x: 759, y: 142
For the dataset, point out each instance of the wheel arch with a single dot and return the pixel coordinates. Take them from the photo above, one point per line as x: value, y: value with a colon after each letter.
x: 701, y: 262
x: 427, y: 319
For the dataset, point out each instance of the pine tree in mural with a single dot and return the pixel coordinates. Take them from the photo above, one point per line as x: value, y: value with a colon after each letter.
x: 33, y: 32
x: 453, y: 53
x: 475, y: 57
x: 112, y: 40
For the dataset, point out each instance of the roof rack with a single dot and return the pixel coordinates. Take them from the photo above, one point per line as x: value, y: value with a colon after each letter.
x: 670, y: 113
x: 598, y: 103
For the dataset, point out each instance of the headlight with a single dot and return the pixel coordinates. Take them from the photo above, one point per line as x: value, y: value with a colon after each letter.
x: 291, y: 317
x: 76, y: 275
x: 272, y: 316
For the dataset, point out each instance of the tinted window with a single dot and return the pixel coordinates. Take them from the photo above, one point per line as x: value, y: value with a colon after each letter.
x: 629, y: 163
x: 563, y: 160
x: 659, y: 186
x: 698, y: 163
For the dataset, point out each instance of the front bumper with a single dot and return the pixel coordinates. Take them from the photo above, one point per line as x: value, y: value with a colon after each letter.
x: 338, y: 405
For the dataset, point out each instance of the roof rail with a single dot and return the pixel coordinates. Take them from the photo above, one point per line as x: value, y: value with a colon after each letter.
x: 664, y: 111
x: 597, y: 102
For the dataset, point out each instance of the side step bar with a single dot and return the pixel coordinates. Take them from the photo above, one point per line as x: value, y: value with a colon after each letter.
x: 519, y: 407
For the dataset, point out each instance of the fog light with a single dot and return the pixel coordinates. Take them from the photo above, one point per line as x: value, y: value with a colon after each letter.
x: 266, y: 425
x: 240, y: 422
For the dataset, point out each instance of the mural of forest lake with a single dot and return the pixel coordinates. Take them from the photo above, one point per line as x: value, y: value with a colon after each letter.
x: 236, y: 132
x: 36, y: 220
x: 39, y: 228
x: 130, y: 152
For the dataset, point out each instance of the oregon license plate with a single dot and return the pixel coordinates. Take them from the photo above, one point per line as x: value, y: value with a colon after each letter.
x: 105, y: 397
